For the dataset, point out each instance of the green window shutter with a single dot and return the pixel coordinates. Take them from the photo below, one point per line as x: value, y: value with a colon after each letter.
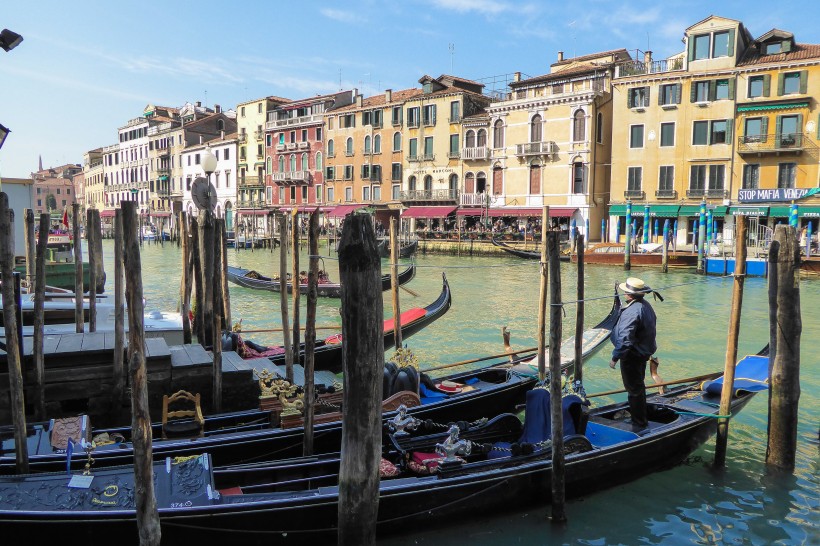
x: 678, y: 92
x: 629, y: 98
x: 692, y: 91
x: 712, y: 90
x: 732, y: 42
x: 730, y: 125
x: 646, y: 95
x: 690, y: 42
x: 767, y: 84
x: 732, y: 88
x: 778, y: 127
x: 804, y: 80
x: 785, y: 46
x: 800, y: 124
x: 660, y: 95
x: 780, y: 84
x: 764, y: 125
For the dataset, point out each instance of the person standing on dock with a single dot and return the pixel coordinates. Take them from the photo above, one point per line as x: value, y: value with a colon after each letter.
x: 634, y: 339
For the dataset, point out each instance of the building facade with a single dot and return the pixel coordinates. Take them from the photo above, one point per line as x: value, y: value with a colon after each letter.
x: 93, y: 195
x: 54, y: 188
x: 223, y: 178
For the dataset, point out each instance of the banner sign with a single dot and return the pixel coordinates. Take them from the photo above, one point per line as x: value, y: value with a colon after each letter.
x: 777, y: 194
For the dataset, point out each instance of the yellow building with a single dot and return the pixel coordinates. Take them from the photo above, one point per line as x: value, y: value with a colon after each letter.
x: 695, y: 128
x: 93, y: 180
x: 549, y: 142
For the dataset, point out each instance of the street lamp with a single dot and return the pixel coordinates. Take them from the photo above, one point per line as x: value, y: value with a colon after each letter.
x: 4, y: 132
x: 209, y: 166
x: 9, y: 40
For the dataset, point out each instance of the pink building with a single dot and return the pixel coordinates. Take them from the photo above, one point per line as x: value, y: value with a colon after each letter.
x: 54, y: 188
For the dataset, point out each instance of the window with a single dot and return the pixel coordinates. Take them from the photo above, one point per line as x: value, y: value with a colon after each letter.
x: 579, y: 121
x: 792, y: 82
x: 786, y: 175
x: 349, y: 146
x: 348, y: 194
x: 414, y: 147
x: 348, y: 172
x: 536, y: 126
x: 599, y: 129
x: 293, y: 163
x: 700, y: 91
x: 700, y: 133
x: 428, y: 148
x: 701, y: 47
x: 396, y: 192
x: 455, y: 112
x: 304, y: 135
x: 772, y: 48
x: 498, y: 134
x: 759, y: 86
x: 719, y: 132
x: 331, y: 152
x: 319, y: 161
x: 395, y: 172
x: 637, y: 97
x: 578, y: 177
x: 348, y: 120
x: 227, y: 179
x: 721, y: 89
x: 365, y: 171
x: 377, y: 144
x: 242, y: 111
x: 669, y: 94
x: 259, y: 108
x: 667, y: 134
x: 304, y: 162
x: 428, y: 183
x: 281, y: 163
x: 319, y: 193
x: 720, y: 44
x: 330, y: 172
x: 717, y: 175
x: 281, y: 138
x: 411, y: 183
x: 788, y: 130
x: 269, y: 164
x: 454, y: 146
x: 557, y: 88
x: 636, y: 136
x: 754, y: 129
x: 319, y: 133
x: 330, y: 195
x: 292, y: 136
x: 377, y: 193
x: 396, y: 115
x: 281, y: 194
x: 368, y: 149
x: 396, y: 141
x: 751, y: 177
x: 666, y: 178
x: 633, y: 182
x: 367, y: 118
x: 697, y: 177
x: 429, y: 117
x: 366, y: 193
x: 413, y: 117
x: 481, y: 138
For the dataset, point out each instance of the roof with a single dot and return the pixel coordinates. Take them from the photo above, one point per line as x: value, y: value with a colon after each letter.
x: 562, y: 74
x: 269, y: 97
x: 380, y: 100
x: 776, y: 33
x: 619, y: 54
x: 799, y: 52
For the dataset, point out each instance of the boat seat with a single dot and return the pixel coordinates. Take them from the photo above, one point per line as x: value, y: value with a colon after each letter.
x: 182, y: 423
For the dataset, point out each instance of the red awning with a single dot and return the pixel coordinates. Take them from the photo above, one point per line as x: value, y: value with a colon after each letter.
x: 159, y: 214
x: 535, y: 212
x: 252, y: 212
x: 427, y: 212
x: 110, y: 213
x: 306, y: 208
x: 343, y: 210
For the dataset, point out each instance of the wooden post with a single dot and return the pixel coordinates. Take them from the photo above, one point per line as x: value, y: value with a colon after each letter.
x: 628, y: 238
x: 731, y: 341
x: 310, y: 328
x: 784, y: 348
x: 542, y: 297
x: 226, y: 294
x: 665, y: 255
x: 579, y: 313
x: 283, y: 295
x: 394, y: 281
x: 363, y: 348
x: 119, y: 313
x: 206, y: 260
x: 10, y: 317
x: 195, y: 242
x: 146, y: 504
x: 216, y: 326
x: 39, y: 318
x: 557, y: 425
x: 295, y: 280
x: 30, y: 241
x: 185, y: 282
x: 92, y: 271
x: 79, y: 320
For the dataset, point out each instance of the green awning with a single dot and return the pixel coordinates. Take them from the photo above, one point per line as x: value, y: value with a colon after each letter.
x: 664, y: 211
x: 779, y: 212
x: 749, y: 211
x: 780, y: 106
x: 809, y: 212
x: 163, y: 177
x: 689, y: 210
x: 719, y: 212
x: 618, y: 210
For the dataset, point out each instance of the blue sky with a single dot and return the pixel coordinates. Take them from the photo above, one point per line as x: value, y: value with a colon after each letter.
x: 85, y: 68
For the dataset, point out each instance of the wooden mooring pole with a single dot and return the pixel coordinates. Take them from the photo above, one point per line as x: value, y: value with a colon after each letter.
x: 99, y: 264
x: 79, y: 320
x: 216, y: 326
x: 13, y: 347
x: 295, y: 280
x: 283, y: 295
x: 579, y: 313
x: 394, y: 282
x: 30, y: 242
x: 185, y: 282
x: 195, y: 242
x: 39, y: 317
x: 558, y: 484
x: 146, y: 503
x: 310, y: 328
x: 119, y: 315
x: 628, y: 238
x: 731, y: 341
x: 206, y: 260
x: 226, y: 294
x: 542, y: 297
x: 786, y: 327
x: 92, y: 270
x: 363, y: 348
x: 665, y: 254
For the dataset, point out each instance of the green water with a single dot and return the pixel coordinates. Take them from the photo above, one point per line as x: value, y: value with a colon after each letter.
x: 689, y: 504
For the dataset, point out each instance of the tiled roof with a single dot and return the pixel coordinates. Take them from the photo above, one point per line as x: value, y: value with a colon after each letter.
x: 459, y: 79
x: 618, y: 53
x: 799, y: 52
x: 379, y: 100
x: 561, y: 74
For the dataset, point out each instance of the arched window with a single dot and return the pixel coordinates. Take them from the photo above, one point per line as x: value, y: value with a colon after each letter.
x: 579, y: 126
x: 599, y: 129
x: 377, y: 144
x: 535, y: 178
x: 367, y: 145
x: 481, y: 182
x: 498, y: 134
x: 578, y: 178
x: 469, y: 183
x: 304, y: 161
x: 535, y: 128
x: 268, y: 164
x: 281, y: 163
x: 292, y: 162
x: 428, y: 183
x: 411, y: 183
x: 349, y: 146
x: 330, y: 149
x: 481, y: 140
x: 397, y: 142
x: 319, y: 161
x: 220, y: 125
x: 453, y: 186
x: 469, y: 140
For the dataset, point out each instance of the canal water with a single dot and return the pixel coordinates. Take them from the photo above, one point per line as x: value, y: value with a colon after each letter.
x: 688, y: 504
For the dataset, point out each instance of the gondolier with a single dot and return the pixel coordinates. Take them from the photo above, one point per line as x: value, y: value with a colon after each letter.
x: 634, y: 339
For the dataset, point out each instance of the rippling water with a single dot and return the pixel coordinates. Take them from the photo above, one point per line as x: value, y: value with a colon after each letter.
x: 688, y: 504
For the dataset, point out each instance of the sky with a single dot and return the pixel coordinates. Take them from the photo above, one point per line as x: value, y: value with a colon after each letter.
x: 85, y: 68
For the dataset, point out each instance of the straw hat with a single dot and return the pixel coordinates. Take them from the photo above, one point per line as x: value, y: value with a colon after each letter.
x: 636, y: 286
x: 449, y: 386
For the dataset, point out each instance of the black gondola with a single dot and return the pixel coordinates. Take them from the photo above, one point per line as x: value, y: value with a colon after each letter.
x: 526, y: 254
x: 248, y: 436
x: 405, y: 250
x: 494, y: 466
x: 252, y: 279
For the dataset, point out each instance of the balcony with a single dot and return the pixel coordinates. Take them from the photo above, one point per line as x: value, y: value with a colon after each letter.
x: 315, y: 118
x: 535, y: 148
x: 636, y: 68
x: 477, y: 153
x: 666, y: 194
x: 453, y: 155
x: 259, y: 134
x: 717, y: 193
x: 413, y: 158
x: 250, y: 182
x: 281, y: 147
x: 242, y: 138
x: 775, y: 143
x: 429, y: 195
x: 454, y: 119
x: 428, y: 157
x: 413, y: 123
x: 638, y: 195
x: 429, y: 121
x: 292, y: 177
x: 291, y: 146
x: 304, y: 145
x: 473, y: 199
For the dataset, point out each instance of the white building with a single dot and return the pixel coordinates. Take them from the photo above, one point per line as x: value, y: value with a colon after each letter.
x: 223, y: 178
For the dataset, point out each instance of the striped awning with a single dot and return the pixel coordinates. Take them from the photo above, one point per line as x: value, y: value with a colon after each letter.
x: 772, y: 106
x: 343, y: 210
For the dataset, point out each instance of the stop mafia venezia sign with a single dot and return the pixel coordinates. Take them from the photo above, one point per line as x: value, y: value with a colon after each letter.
x: 779, y: 194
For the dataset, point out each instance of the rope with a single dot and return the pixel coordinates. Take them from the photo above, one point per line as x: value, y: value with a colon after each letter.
x: 696, y: 414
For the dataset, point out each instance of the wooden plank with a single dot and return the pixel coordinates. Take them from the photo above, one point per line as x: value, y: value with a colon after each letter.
x: 232, y: 362
x: 93, y: 342
x: 198, y: 354
x: 50, y: 344
x: 70, y: 343
x: 180, y: 357
x: 156, y: 348
x: 109, y: 341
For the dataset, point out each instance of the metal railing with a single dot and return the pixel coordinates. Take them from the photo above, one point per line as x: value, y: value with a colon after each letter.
x: 429, y: 120
x: 777, y: 142
x: 293, y: 121
x: 429, y: 195
x: 249, y: 181
x: 666, y: 194
x: 635, y: 68
x: 413, y: 123
x: 304, y: 145
x: 453, y: 154
x: 259, y: 134
x: 242, y: 138
x: 481, y: 153
x: 634, y: 194
x: 291, y: 176
x: 454, y: 119
x: 535, y: 148
x: 428, y: 157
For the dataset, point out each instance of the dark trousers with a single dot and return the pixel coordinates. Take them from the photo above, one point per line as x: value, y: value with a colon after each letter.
x: 633, y: 371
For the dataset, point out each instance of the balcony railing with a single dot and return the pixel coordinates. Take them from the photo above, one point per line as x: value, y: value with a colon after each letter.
x: 293, y: 121
x: 429, y: 195
x: 292, y: 177
x: 454, y: 119
x: 412, y: 123
x: 635, y: 194
x: 717, y: 193
x: 453, y: 154
x: 413, y: 158
x: 480, y: 153
x: 635, y: 68
x: 471, y: 199
x: 396, y: 122
x: 281, y: 147
x: 259, y: 134
x: 666, y: 194
x: 429, y: 120
x: 242, y: 138
x: 250, y: 181
x: 304, y: 145
x: 695, y: 193
x: 535, y: 148
x: 428, y: 157
x: 373, y: 177
x: 291, y: 145
x: 775, y: 143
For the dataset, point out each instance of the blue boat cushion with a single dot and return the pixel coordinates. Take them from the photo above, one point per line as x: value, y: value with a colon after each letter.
x: 602, y: 435
x: 429, y: 396
x: 751, y: 375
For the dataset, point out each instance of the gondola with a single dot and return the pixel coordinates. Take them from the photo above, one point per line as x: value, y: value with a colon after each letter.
x: 405, y: 250
x: 645, y: 255
x: 526, y: 254
x: 426, y: 478
x: 249, y: 436
x: 252, y: 279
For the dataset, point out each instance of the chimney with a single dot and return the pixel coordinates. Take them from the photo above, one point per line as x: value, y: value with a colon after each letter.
x: 647, y: 57
x: 200, y: 139
x: 358, y: 100
x: 222, y: 135
x: 388, y: 95
x: 198, y: 104
x: 517, y: 77
x: 560, y: 56
x: 217, y: 108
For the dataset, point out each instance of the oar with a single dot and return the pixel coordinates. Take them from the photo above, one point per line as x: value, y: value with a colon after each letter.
x: 472, y: 360
x: 281, y: 329
x: 664, y: 384
x: 408, y: 291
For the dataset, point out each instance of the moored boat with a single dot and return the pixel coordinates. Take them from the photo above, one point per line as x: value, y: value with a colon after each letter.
x: 645, y: 255
x: 526, y: 254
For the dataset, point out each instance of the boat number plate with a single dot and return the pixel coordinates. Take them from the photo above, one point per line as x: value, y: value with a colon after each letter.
x: 80, y: 482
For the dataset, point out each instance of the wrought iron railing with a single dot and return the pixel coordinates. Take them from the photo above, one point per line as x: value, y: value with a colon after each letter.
x: 666, y: 194
x: 634, y: 194
x: 777, y: 142
x: 428, y: 195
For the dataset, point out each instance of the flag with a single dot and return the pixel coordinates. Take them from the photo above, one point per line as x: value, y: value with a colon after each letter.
x: 65, y: 217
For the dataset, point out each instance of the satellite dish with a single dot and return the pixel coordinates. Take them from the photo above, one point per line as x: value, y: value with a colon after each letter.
x: 204, y: 194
